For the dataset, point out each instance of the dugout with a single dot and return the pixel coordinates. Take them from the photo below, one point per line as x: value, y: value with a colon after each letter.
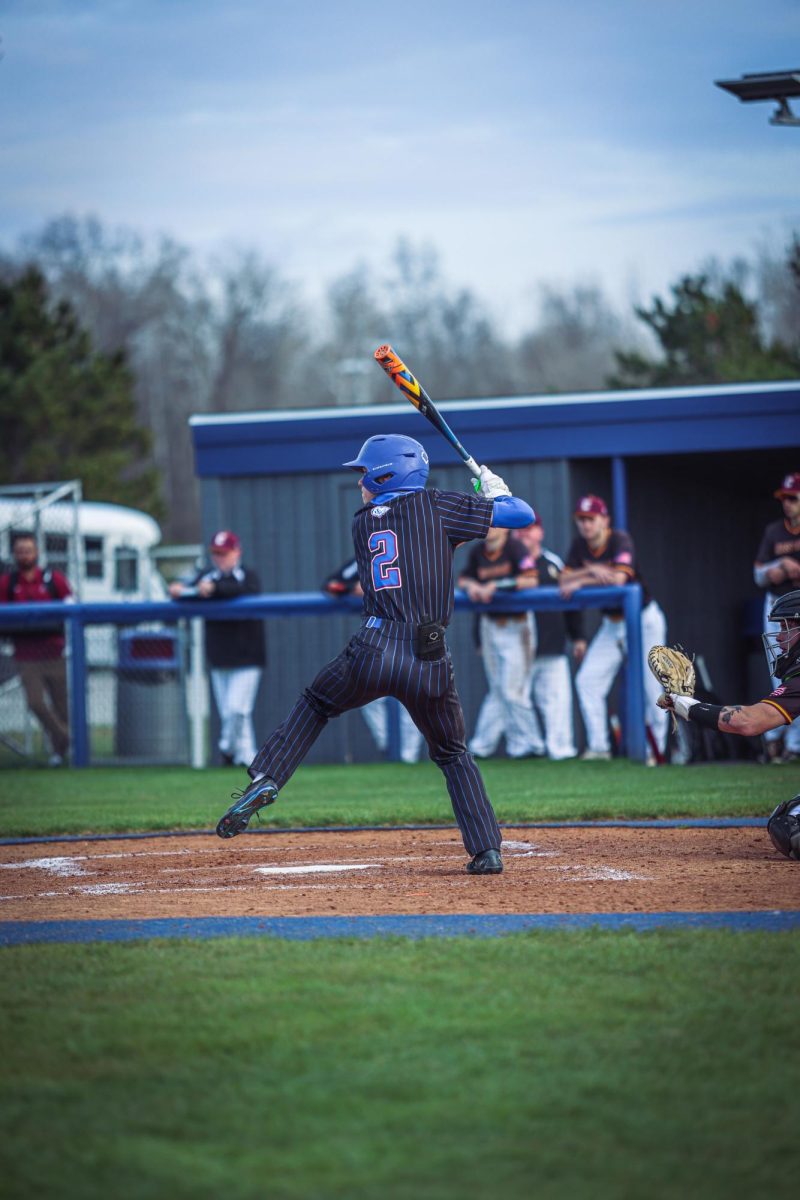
x: 689, y: 471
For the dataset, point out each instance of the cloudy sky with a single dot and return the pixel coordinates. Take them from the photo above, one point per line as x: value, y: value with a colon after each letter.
x: 529, y: 141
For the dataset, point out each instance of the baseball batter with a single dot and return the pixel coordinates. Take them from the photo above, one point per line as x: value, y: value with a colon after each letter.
x: 404, y: 538
x: 508, y: 647
x: 604, y: 557
x: 777, y: 571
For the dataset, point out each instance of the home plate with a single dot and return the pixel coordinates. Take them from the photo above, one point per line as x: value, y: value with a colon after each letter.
x: 317, y: 868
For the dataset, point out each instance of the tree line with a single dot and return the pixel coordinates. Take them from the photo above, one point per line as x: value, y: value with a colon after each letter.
x: 110, y: 341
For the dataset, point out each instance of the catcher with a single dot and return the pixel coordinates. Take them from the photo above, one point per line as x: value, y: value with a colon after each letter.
x: 676, y: 675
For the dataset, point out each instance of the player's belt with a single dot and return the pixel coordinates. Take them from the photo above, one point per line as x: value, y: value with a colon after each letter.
x: 406, y: 630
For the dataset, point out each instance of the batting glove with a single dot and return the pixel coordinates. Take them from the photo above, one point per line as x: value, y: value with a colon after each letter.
x: 492, y: 485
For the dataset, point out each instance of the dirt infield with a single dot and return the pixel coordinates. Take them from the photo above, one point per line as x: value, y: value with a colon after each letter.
x: 397, y: 872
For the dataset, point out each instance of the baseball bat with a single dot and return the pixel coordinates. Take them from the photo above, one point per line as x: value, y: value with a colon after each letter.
x: 413, y: 390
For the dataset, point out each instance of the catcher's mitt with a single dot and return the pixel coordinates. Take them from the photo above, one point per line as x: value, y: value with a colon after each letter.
x: 674, y: 670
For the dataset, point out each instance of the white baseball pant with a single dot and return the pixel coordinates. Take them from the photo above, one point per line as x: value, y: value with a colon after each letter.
x: 376, y: 715
x: 792, y: 732
x: 235, y: 695
x: 598, y: 671
x: 551, y: 686
x: 508, y: 650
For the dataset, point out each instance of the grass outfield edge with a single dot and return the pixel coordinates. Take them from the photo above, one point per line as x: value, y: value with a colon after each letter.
x: 634, y: 823
x: 416, y: 927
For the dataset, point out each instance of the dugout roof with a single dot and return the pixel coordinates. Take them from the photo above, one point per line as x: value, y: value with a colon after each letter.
x: 736, y: 417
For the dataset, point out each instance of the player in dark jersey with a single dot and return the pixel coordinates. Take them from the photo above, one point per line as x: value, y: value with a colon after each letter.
x: 404, y: 538
x: 780, y: 707
x: 601, y: 557
x: 507, y: 643
x: 777, y: 571
x: 550, y: 680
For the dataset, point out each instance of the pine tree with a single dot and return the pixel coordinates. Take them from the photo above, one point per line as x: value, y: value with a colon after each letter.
x: 707, y: 335
x: 67, y: 412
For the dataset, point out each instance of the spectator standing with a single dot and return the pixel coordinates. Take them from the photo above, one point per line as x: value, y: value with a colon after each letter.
x: 777, y: 571
x: 550, y: 679
x: 39, y: 652
x: 345, y: 582
x: 235, y: 650
x: 604, y: 557
x: 507, y: 644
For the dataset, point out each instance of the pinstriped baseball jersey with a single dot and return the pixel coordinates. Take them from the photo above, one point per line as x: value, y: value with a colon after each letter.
x: 405, y: 552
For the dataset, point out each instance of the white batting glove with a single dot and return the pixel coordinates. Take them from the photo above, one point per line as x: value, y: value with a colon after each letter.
x: 492, y: 485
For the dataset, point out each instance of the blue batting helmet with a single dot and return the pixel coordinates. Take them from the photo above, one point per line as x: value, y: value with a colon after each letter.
x: 402, y: 461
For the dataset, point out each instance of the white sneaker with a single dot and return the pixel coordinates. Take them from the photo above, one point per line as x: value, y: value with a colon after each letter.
x: 596, y: 756
x: 55, y: 760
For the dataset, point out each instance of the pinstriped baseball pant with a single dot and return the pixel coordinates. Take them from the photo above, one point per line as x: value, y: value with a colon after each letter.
x: 381, y: 662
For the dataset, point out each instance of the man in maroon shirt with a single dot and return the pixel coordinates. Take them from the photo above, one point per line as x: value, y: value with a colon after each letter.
x: 39, y: 652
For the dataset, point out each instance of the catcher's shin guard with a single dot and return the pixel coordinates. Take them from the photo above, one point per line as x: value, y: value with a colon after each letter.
x: 258, y: 795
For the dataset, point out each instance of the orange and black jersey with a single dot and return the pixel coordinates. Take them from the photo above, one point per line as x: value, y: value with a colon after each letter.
x: 786, y: 699
x: 616, y: 552
x: 780, y: 540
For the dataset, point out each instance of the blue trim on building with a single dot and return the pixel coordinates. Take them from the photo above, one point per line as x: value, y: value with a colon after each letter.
x: 518, y: 429
x: 302, y: 929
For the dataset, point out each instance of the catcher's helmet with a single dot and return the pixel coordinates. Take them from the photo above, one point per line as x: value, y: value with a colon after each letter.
x: 784, y: 828
x: 399, y: 462
x: 782, y: 647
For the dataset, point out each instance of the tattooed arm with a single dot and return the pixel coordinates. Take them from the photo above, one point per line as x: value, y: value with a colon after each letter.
x: 749, y: 720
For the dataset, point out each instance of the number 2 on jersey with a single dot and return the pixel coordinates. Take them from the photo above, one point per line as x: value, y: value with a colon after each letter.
x: 385, y: 574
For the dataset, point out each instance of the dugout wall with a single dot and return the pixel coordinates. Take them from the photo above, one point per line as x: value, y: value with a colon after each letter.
x: 691, y: 471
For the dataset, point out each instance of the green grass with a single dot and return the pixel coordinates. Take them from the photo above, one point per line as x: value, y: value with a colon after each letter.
x: 582, y: 1064
x: 118, y: 799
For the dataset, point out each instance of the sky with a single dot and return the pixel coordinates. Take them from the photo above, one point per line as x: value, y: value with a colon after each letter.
x: 529, y: 142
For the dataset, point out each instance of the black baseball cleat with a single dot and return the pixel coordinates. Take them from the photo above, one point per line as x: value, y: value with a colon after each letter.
x: 488, y: 862
x: 258, y: 795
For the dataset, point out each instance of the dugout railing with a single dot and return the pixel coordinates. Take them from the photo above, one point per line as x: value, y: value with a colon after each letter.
x: 79, y: 617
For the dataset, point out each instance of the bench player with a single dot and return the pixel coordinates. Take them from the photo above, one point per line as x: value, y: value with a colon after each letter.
x: 404, y: 538
x: 604, y: 557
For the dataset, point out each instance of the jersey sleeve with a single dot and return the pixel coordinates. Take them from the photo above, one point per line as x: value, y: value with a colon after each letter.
x: 464, y: 516
x: 622, y: 554
x: 344, y: 581
x: 786, y: 699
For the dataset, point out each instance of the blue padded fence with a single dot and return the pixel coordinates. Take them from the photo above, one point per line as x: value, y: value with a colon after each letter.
x: 303, y: 604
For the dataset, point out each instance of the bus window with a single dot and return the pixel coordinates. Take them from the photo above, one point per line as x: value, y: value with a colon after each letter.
x: 126, y: 569
x: 93, y: 557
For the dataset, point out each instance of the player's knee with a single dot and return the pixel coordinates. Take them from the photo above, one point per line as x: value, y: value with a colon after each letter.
x: 321, y: 705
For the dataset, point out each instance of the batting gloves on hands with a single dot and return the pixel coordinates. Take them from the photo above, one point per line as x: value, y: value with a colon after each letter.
x: 492, y: 485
